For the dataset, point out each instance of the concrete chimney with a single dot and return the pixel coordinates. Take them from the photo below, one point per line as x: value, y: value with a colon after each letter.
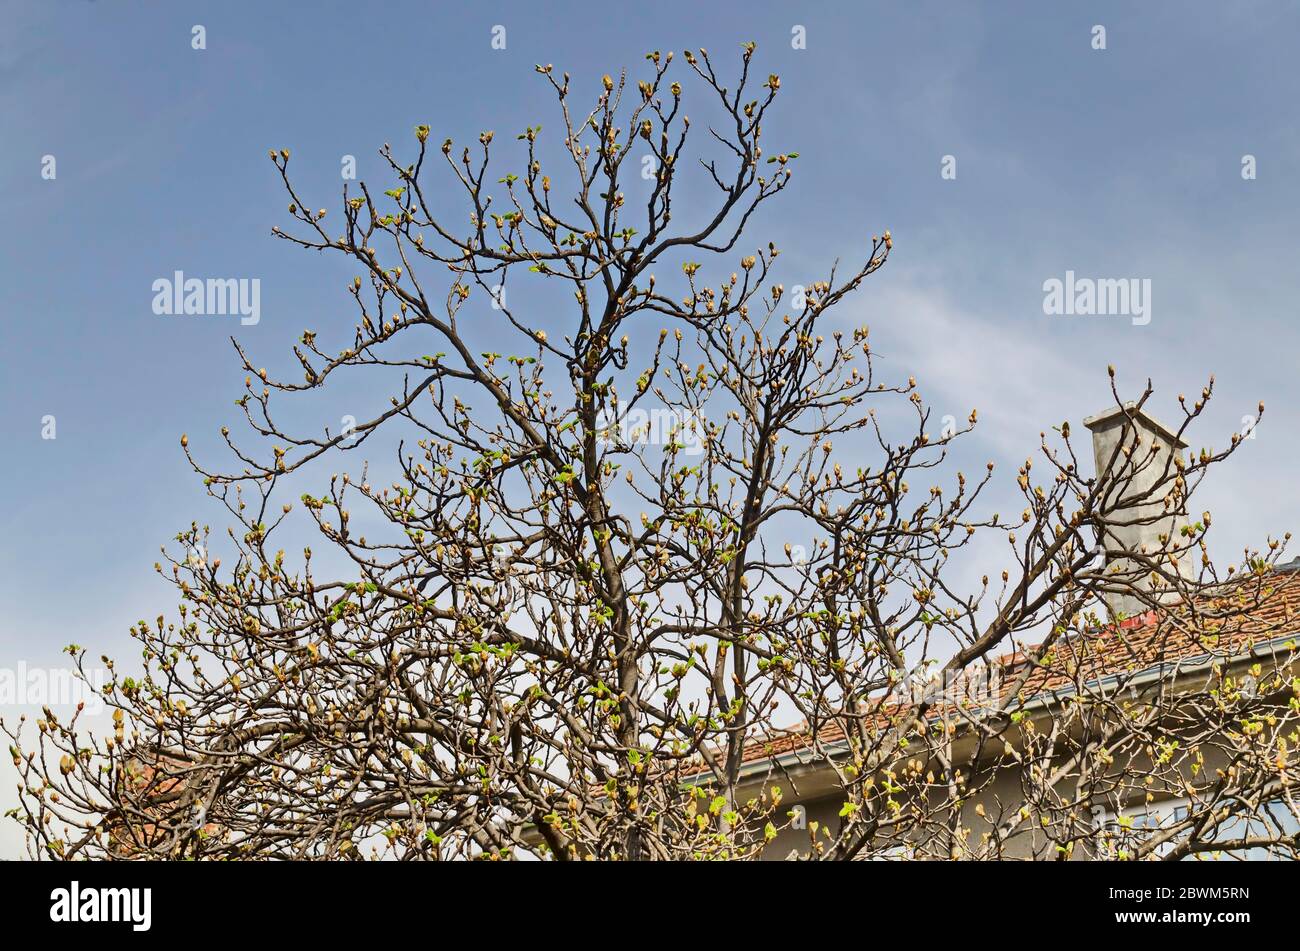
x: 1134, y: 454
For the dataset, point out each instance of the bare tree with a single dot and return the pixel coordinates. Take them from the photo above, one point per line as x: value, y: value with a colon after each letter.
x: 646, y: 509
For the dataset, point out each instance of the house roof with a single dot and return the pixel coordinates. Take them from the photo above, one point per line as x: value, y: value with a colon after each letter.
x: 1246, y: 618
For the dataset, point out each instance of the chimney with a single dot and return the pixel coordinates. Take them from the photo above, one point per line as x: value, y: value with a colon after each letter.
x: 1134, y: 454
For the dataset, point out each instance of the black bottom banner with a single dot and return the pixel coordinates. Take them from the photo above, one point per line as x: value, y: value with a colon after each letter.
x: 140, y: 900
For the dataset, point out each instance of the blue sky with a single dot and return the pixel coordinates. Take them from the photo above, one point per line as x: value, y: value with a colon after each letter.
x: 1123, y: 162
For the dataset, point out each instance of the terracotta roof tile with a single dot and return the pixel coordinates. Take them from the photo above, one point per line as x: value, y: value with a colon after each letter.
x: 1241, y: 617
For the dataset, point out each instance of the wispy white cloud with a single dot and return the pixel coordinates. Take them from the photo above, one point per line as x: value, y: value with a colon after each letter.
x: 965, y: 358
